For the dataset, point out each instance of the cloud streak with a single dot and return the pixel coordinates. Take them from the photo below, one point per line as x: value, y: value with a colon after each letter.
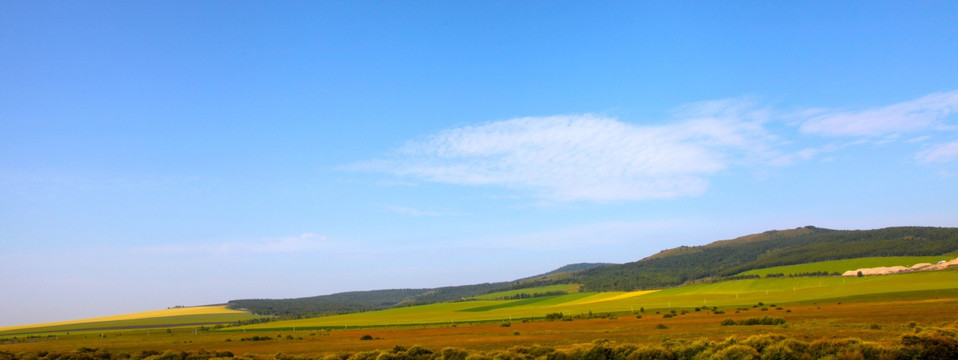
x: 943, y: 153
x: 909, y: 116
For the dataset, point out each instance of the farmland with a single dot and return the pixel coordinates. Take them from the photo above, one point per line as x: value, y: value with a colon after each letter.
x: 871, y: 319
x: 875, y: 309
x: 175, y: 317
x: 722, y: 294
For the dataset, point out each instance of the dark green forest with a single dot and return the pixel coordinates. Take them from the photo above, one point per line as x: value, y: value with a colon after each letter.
x: 724, y: 259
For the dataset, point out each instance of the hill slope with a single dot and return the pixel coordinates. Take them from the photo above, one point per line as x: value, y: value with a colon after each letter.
x: 360, y: 301
x: 669, y: 268
x: 685, y: 264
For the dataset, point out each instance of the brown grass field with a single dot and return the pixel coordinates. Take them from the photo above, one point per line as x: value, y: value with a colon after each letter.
x: 869, y: 320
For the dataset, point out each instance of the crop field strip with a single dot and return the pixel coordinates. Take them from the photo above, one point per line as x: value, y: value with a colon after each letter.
x: 161, y: 318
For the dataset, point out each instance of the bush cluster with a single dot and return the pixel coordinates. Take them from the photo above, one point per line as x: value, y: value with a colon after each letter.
x: 924, y: 344
x: 754, y: 321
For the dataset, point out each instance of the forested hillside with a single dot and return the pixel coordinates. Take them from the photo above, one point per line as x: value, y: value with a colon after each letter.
x: 772, y: 248
x: 358, y: 301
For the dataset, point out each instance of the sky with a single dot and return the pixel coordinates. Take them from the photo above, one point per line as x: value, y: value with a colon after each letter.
x: 162, y: 153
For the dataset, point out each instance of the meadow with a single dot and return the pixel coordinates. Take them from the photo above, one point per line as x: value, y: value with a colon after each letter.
x: 726, y: 294
x: 878, y: 311
x: 877, y: 321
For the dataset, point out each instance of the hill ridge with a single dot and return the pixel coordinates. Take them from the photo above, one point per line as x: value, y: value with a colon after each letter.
x: 681, y: 265
x: 668, y: 268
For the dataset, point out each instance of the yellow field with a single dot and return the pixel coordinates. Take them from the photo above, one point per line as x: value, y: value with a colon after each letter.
x: 193, y: 310
x: 609, y: 296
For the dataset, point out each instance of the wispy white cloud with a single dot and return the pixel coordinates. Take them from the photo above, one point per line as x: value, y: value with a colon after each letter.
x: 920, y: 114
x: 940, y: 154
x: 292, y: 244
x: 597, y: 158
x: 588, y: 157
x: 810, y: 153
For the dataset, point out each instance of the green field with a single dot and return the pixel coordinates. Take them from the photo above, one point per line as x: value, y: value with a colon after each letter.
x: 841, y: 266
x: 727, y: 295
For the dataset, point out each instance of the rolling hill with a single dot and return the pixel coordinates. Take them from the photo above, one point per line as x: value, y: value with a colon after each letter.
x: 360, y: 301
x: 669, y: 268
x: 722, y: 259
x: 585, y: 287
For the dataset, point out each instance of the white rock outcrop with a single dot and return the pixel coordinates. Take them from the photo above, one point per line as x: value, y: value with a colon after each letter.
x: 888, y: 270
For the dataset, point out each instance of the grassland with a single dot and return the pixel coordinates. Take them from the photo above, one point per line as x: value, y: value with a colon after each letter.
x: 175, y: 317
x: 730, y: 294
x: 876, y: 309
x: 841, y: 266
x: 866, y: 319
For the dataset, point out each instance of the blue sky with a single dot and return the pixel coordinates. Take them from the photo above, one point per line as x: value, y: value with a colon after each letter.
x: 180, y: 153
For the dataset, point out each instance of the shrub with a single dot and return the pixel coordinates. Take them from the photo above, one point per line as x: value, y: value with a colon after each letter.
x: 257, y: 338
x: 366, y: 337
x: 364, y: 355
x: 737, y: 352
x: 599, y: 351
x: 554, y: 356
x: 931, y: 346
x: 417, y: 350
x: 785, y: 350
x: 539, y: 350
x: 760, y: 342
x: 652, y: 353
x: 754, y: 321
x: 170, y: 355
x: 452, y: 354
